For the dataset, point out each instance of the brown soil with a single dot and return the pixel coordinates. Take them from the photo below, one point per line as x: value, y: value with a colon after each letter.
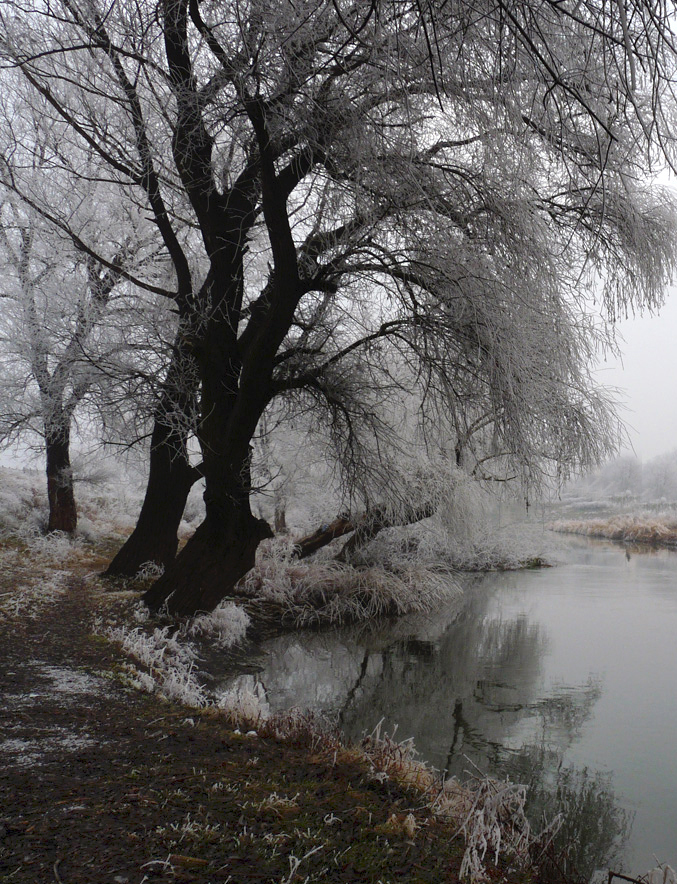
x: 102, y: 783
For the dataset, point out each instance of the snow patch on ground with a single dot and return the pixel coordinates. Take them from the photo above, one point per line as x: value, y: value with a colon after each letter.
x: 55, y: 683
x: 45, y: 748
x: 73, y: 683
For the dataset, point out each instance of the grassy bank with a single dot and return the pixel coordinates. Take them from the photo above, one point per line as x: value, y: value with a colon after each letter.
x: 657, y: 530
x: 142, y: 777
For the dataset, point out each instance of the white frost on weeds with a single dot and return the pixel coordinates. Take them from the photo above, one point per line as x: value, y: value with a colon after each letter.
x: 245, y: 703
x: 27, y: 598
x: 171, y: 663
x: 169, y: 657
x: 662, y: 874
x: 495, y: 821
x: 150, y: 571
x: 657, y: 528
x: 107, y: 503
x: 225, y: 626
x: 321, y: 591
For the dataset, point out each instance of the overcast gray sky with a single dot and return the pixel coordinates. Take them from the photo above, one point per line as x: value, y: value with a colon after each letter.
x: 647, y: 379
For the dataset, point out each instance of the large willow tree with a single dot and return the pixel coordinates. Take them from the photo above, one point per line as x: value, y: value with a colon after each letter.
x: 368, y: 206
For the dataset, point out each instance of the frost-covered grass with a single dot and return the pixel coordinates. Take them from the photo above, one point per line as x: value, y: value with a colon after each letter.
x: 35, y: 567
x: 659, y: 529
x: 165, y: 660
x: 169, y: 664
x: 27, y: 596
x: 323, y: 591
x: 169, y: 658
x: 225, y: 626
x: 104, y: 507
x: 33, y: 575
x: 488, y: 815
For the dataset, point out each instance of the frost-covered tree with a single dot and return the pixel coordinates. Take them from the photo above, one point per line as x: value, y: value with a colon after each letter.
x: 146, y: 385
x: 387, y: 203
x: 53, y: 301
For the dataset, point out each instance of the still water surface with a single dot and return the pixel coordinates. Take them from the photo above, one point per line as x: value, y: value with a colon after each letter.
x: 563, y: 678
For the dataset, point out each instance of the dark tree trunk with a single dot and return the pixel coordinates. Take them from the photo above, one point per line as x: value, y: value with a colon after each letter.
x: 170, y: 477
x: 235, y: 371
x: 309, y: 544
x: 63, y: 514
x: 280, y: 518
x: 154, y: 539
x: 223, y: 548
x: 211, y: 563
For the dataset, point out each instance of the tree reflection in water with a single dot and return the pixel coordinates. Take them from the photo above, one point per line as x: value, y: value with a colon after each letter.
x: 468, y: 687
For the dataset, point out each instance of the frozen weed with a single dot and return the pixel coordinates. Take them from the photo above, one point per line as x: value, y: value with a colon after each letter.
x: 490, y: 815
x: 150, y: 571
x: 33, y: 586
x: 171, y: 663
x: 225, y: 626
x: 244, y: 705
x: 275, y: 800
x: 105, y: 506
x: 189, y: 830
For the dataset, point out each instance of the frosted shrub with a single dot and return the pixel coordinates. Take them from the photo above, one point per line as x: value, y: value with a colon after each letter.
x: 495, y: 821
x: 28, y: 599
x: 23, y: 502
x: 224, y: 627
x: 661, y: 874
x: 506, y: 548
x: 332, y: 592
x: 102, y: 509
x: 490, y: 814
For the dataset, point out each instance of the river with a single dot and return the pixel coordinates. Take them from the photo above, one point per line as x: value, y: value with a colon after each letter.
x: 563, y: 678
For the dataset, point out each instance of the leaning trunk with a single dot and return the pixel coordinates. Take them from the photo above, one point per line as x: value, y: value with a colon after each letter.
x: 220, y: 552
x: 63, y: 514
x: 155, y: 537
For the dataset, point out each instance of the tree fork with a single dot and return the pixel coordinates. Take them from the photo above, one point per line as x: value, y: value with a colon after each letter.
x: 210, y: 564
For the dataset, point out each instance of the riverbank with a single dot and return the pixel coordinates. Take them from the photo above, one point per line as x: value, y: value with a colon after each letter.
x: 100, y: 781
x: 629, y: 528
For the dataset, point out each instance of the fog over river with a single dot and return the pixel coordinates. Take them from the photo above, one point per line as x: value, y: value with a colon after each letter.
x: 563, y: 678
